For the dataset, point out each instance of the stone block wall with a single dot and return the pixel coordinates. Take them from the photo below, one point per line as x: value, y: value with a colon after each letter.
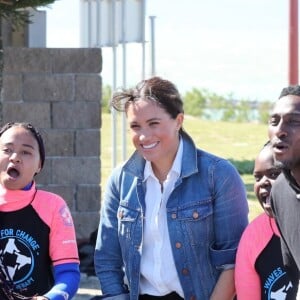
x: 59, y: 92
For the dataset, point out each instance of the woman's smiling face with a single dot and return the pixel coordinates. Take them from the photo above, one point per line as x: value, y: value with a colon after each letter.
x: 19, y: 158
x: 153, y: 132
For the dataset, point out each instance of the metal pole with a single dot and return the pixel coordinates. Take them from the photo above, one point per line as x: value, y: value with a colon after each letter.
x: 98, y: 14
x: 113, y: 112
x: 124, y: 30
x: 143, y: 15
x: 89, y: 23
x: 152, y: 28
x: 293, y: 42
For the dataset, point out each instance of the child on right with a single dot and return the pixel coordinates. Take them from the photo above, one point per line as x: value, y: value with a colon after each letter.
x: 259, y: 270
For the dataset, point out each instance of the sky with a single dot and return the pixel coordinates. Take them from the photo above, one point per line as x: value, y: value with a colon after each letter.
x: 226, y: 46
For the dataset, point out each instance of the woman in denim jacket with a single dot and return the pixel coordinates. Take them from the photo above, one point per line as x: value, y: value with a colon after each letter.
x: 172, y: 214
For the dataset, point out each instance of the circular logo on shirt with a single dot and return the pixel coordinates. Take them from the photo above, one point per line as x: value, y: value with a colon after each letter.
x: 17, y: 249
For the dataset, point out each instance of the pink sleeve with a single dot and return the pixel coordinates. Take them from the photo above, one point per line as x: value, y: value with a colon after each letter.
x: 253, y: 241
x: 56, y: 214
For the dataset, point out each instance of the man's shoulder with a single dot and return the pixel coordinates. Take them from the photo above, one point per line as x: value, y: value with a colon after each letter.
x: 280, y: 182
x: 283, y: 195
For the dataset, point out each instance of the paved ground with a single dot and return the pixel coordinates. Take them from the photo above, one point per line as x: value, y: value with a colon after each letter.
x: 89, y: 287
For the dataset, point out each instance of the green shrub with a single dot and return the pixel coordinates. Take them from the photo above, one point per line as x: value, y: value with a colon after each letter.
x: 243, y: 166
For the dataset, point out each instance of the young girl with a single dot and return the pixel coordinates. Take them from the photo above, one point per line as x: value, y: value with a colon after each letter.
x: 38, y: 250
x: 260, y: 273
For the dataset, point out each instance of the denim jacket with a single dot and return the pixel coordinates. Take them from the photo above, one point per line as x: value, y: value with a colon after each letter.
x: 206, y: 215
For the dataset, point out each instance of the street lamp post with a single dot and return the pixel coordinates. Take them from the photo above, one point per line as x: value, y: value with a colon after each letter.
x: 293, y: 42
x: 152, y: 29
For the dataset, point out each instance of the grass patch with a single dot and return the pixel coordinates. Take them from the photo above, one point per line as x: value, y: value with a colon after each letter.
x: 238, y: 142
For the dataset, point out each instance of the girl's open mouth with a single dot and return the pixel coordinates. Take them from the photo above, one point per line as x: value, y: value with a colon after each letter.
x: 13, y: 172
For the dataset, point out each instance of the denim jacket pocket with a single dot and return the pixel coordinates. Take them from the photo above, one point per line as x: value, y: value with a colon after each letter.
x: 127, y: 226
x: 196, y: 219
x: 127, y: 219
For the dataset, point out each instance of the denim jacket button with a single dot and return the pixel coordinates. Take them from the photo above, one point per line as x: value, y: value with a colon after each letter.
x: 195, y: 215
x: 193, y: 298
x: 178, y: 245
x: 121, y: 215
x: 173, y: 216
x: 185, y: 271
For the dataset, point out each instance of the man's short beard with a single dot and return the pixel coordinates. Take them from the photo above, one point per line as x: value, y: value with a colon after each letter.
x: 286, y: 165
x: 278, y: 164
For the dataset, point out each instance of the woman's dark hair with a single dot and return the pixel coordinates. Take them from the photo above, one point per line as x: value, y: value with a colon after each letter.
x: 35, y: 133
x: 162, y: 91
